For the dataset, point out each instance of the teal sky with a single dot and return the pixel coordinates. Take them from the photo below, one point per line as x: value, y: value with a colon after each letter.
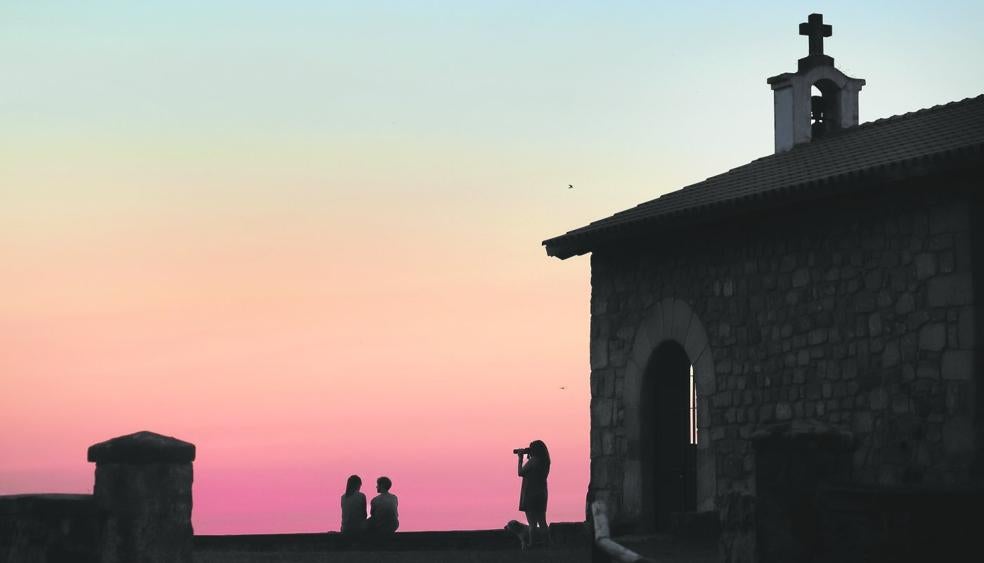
x: 582, y: 87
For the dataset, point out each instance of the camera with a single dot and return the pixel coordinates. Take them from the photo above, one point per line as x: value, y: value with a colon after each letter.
x: 521, y: 451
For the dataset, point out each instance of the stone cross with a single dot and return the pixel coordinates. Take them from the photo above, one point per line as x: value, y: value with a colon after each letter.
x: 816, y: 30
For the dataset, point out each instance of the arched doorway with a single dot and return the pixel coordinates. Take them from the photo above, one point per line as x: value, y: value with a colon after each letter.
x: 673, y: 324
x: 668, y: 436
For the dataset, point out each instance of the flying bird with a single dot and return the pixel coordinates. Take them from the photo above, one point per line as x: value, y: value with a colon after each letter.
x: 562, y: 387
x: 570, y: 186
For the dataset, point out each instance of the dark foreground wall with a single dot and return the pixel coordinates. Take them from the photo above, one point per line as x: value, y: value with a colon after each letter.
x: 48, y: 528
x: 900, y: 524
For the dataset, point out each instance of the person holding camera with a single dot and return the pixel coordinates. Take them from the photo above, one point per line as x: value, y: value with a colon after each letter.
x: 533, y: 493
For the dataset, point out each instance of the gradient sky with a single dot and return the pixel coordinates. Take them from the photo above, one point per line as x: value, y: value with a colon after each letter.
x: 306, y: 235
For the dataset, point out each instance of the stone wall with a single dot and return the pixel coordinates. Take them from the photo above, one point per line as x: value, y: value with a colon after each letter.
x: 139, y: 512
x: 859, y: 314
x: 48, y: 528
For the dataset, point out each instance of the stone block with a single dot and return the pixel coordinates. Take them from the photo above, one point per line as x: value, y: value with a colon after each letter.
x: 890, y: 355
x: 632, y: 488
x: 927, y: 370
x: 958, y: 365
x: 906, y: 303
x: 704, y: 374
x: 879, y: 399
x: 849, y: 369
x: 950, y: 290
x: 956, y: 397
x: 958, y: 436
x: 607, y: 443
x: 601, y: 412
x: 666, y: 309
x: 696, y: 340
x: 803, y: 358
x: 600, y: 472
x: 801, y: 277
x: 599, y: 305
x: 864, y: 302
x: 948, y: 261
x: 932, y: 337
x: 703, y: 412
x: 863, y: 422
x: 966, y: 328
x: 817, y: 336
x: 885, y: 299
x: 599, y: 352
x: 874, y: 324
x: 900, y: 404
x: 766, y: 413
x: 917, y: 319
x: 682, y: 315
x: 654, y: 329
x: 925, y: 264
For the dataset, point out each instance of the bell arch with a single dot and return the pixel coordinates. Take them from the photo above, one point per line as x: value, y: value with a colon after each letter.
x: 671, y: 328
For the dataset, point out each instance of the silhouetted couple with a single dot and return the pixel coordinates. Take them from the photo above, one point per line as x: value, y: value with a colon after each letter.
x: 383, y: 516
x: 533, y: 494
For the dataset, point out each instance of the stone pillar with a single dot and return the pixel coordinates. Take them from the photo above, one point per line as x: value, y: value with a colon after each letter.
x: 792, y: 461
x: 143, y: 487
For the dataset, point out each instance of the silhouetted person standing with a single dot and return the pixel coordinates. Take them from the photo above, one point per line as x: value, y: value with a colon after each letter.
x: 383, y: 515
x: 533, y: 494
x: 353, y: 507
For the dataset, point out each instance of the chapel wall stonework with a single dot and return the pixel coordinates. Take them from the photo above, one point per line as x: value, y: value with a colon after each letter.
x: 860, y: 315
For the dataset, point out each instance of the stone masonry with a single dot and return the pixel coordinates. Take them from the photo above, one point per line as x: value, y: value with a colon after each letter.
x: 858, y: 313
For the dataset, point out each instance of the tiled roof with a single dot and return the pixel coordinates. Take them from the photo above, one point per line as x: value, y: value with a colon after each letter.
x: 951, y: 130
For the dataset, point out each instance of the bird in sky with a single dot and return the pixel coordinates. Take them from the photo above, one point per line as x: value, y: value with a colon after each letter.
x: 562, y: 387
x: 570, y: 186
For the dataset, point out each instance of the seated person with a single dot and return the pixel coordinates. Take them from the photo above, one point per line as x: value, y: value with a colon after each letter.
x: 383, y: 516
x: 353, y: 507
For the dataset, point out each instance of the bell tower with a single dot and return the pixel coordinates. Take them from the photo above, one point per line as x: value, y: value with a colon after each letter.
x: 800, y: 114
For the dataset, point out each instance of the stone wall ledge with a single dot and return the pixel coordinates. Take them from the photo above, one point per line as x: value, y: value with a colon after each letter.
x: 561, y: 534
x: 47, y: 504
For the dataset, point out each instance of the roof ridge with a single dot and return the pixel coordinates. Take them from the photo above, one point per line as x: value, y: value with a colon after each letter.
x: 908, y: 114
x: 866, y: 125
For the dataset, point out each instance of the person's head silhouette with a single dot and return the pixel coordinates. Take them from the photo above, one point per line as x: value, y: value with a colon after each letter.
x: 353, y: 484
x: 383, y: 484
x: 539, y: 450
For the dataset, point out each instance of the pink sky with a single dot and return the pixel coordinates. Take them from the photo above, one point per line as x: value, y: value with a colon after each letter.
x: 292, y: 365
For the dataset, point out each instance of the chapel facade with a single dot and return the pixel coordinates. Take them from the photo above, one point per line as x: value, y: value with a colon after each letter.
x: 833, y: 288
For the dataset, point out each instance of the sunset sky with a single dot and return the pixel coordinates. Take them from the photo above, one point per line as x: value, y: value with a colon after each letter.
x: 305, y: 235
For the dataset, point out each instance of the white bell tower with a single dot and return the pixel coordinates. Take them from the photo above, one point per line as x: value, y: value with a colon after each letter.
x: 801, y: 116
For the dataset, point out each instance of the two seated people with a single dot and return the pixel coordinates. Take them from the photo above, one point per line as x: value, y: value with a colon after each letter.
x: 383, y: 516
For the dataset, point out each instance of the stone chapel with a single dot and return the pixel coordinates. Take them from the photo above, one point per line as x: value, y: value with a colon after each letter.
x: 831, y: 289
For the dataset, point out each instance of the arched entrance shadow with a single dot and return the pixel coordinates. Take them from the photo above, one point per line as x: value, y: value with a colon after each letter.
x: 668, y: 341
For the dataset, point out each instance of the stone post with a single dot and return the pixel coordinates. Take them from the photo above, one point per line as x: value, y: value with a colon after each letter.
x: 143, y: 487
